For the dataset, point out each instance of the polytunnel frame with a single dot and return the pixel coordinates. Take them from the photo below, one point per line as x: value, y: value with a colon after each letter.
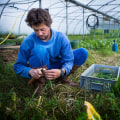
x: 84, y: 7
x: 92, y: 9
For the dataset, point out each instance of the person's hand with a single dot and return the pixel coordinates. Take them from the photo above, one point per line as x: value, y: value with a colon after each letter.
x: 52, y: 74
x: 35, y: 73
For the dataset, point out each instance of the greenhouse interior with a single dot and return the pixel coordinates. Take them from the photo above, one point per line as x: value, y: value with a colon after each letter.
x: 89, y: 25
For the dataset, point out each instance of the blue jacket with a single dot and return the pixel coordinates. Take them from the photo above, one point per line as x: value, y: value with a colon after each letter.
x: 59, y: 49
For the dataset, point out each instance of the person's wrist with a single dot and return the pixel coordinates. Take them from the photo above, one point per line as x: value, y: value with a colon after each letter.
x: 30, y: 72
x: 62, y: 72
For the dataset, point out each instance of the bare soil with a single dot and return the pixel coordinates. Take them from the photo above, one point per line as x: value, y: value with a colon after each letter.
x: 9, y: 55
x: 113, y: 60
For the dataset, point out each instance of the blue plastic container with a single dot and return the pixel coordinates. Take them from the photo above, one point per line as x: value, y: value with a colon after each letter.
x: 114, y: 46
x: 88, y: 82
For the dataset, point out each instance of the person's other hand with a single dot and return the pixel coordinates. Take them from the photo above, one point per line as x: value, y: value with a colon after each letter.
x: 35, y: 73
x: 52, y: 74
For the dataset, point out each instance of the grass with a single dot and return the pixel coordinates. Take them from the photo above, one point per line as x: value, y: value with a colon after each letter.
x: 105, y: 52
x: 58, y: 101
x: 9, y: 79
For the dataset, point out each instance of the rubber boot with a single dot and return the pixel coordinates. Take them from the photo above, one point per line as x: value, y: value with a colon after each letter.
x: 39, y: 85
x: 65, y: 80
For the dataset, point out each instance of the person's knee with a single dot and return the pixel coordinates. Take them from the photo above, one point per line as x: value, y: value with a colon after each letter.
x: 80, y: 56
x: 38, y: 57
x: 84, y: 53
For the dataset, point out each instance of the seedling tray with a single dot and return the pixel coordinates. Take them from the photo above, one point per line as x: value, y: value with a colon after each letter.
x: 90, y: 83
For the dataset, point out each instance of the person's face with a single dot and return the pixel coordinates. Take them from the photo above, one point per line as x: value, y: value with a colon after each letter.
x: 42, y: 31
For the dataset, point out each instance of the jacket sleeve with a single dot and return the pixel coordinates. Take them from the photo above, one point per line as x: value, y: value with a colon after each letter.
x: 21, y: 66
x: 67, y: 54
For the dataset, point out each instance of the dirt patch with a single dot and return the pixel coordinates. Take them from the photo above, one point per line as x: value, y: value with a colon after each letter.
x: 9, y: 55
x: 112, y: 60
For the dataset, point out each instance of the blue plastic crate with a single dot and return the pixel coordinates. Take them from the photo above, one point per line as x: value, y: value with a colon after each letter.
x: 88, y: 82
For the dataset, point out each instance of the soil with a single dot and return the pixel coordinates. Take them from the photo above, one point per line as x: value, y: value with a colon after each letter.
x: 112, y: 60
x: 9, y: 55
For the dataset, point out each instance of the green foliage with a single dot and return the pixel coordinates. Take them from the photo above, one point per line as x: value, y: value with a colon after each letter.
x: 16, y: 41
x: 104, y: 75
x: 108, y: 105
x: 96, y: 44
x: 57, y: 101
x: 9, y: 79
x: 116, y: 87
x: 12, y: 36
x: 89, y: 41
x: 97, y: 41
x: 12, y: 39
x: 106, y: 52
x: 18, y: 100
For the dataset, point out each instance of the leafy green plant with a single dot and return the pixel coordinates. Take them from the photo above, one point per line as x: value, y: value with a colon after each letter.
x: 116, y: 87
x: 104, y: 76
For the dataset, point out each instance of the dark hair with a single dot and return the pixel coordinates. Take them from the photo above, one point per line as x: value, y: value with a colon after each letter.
x: 37, y: 16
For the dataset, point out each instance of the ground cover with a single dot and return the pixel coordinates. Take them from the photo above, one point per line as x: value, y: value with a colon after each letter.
x: 58, y: 101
